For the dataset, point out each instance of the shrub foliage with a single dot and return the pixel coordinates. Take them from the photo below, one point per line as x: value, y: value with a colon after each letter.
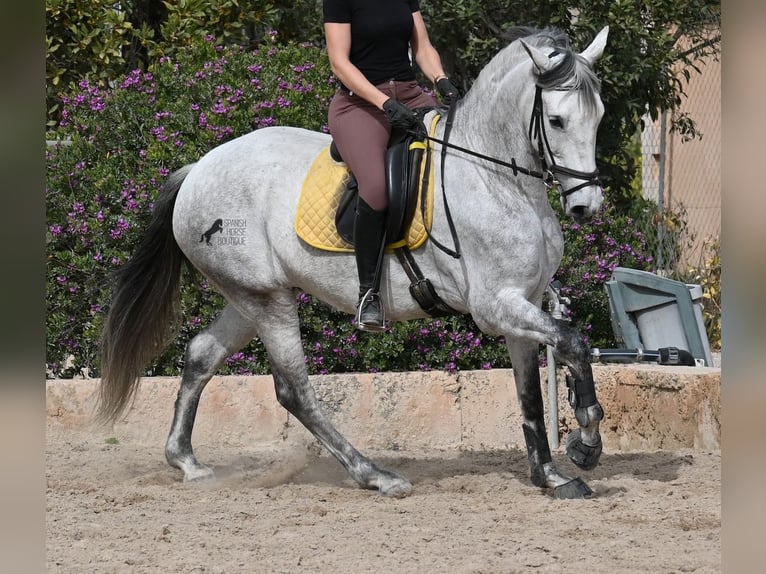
x: 117, y: 145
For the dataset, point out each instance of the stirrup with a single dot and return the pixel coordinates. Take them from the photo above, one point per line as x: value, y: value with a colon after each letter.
x: 371, y: 307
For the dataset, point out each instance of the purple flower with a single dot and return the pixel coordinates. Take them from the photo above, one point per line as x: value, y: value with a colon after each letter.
x: 219, y: 108
x: 304, y: 67
x: 132, y: 79
x: 159, y: 133
x: 97, y: 104
x: 120, y: 229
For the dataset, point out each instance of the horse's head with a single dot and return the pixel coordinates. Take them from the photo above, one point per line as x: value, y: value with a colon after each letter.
x: 565, y: 118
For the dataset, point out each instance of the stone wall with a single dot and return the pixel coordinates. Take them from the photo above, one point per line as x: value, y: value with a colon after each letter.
x: 646, y: 408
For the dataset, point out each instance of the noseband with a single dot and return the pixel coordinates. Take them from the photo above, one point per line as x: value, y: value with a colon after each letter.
x: 537, y: 132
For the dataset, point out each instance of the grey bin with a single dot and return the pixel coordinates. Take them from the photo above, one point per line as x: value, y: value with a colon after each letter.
x: 652, y: 312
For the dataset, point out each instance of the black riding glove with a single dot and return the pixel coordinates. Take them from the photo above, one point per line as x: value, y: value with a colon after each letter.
x: 448, y: 90
x: 400, y: 115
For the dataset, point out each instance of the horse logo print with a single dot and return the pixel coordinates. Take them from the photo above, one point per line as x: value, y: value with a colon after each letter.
x: 217, y: 227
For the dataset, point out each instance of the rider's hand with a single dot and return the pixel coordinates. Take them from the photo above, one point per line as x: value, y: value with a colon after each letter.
x: 399, y: 115
x: 447, y: 90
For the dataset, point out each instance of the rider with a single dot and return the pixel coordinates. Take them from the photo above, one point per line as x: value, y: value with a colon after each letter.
x: 368, y: 43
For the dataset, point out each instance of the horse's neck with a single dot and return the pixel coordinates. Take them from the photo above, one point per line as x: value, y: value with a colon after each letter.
x: 494, y: 115
x: 496, y: 127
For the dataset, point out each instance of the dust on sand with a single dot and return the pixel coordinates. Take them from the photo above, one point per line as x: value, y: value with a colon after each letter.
x: 117, y: 507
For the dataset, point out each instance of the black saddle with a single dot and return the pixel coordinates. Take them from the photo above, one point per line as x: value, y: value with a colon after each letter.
x: 403, y: 157
x: 402, y: 171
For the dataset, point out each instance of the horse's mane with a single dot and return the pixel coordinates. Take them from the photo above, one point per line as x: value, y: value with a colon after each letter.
x: 572, y: 72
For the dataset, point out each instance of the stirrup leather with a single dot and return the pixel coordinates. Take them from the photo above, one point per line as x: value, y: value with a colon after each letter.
x: 368, y: 318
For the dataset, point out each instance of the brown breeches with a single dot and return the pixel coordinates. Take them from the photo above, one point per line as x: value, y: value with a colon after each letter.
x: 361, y: 132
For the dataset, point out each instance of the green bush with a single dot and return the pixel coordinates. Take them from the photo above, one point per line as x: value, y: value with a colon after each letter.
x: 83, y: 38
x: 707, y: 274
x: 100, y: 40
x: 645, y: 67
x: 124, y: 142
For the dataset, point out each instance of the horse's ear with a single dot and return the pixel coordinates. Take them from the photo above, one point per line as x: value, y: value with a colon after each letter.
x: 596, y: 48
x: 543, y: 61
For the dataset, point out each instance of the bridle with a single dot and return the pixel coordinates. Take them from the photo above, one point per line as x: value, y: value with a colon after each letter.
x: 537, y: 132
x: 547, y: 175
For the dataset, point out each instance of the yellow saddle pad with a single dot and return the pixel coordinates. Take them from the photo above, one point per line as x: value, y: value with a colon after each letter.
x: 321, y: 193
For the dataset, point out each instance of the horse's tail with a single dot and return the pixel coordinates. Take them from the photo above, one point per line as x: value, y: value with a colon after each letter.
x: 145, y: 307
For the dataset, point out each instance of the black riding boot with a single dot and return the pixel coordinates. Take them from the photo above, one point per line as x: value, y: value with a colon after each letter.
x: 369, y: 227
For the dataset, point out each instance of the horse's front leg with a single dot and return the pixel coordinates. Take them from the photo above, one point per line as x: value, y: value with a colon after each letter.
x: 584, y: 444
x: 543, y: 472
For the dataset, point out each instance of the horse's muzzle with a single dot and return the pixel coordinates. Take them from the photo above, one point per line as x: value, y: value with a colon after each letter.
x: 581, y: 213
x: 584, y: 205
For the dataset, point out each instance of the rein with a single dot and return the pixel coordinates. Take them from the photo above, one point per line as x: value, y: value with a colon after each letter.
x: 548, y: 175
x: 536, y: 131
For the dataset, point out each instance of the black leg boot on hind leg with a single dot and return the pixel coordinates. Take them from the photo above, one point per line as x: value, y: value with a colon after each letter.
x: 369, y: 241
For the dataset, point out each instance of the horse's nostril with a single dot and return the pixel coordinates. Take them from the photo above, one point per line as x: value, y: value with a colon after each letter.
x: 580, y: 213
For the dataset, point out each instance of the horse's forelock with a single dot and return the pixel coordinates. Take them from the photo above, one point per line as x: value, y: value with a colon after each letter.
x: 572, y: 71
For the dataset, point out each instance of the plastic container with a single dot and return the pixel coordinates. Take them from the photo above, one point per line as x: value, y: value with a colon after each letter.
x: 652, y: 312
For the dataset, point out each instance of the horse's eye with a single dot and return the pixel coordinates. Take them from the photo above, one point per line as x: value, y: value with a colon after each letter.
x: 556, y: 122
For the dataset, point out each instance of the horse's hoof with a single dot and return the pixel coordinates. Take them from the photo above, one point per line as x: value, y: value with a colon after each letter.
x: 583, y: 455
x: 394, y: 486
x: 397, y: 491
x: 574, y: 489
x: 199, y: 474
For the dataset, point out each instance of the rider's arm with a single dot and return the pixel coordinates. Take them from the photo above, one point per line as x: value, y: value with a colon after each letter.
x: 338, y: 37
x: 426, y: 56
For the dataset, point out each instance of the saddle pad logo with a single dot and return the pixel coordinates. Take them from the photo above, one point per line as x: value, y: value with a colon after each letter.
x: 225, y: 232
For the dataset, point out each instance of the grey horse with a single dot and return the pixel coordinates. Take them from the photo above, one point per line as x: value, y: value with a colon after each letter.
x: 535, y: 104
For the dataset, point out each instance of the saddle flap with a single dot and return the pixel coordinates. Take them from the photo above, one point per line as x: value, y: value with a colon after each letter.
x: 402, y: 179
x: 402, y: 171
x: 344, y: 216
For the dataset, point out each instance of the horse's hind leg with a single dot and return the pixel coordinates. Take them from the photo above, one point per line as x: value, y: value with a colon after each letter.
x: 543, y: 472
x: 204, y: 354
x: 278, y: 328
